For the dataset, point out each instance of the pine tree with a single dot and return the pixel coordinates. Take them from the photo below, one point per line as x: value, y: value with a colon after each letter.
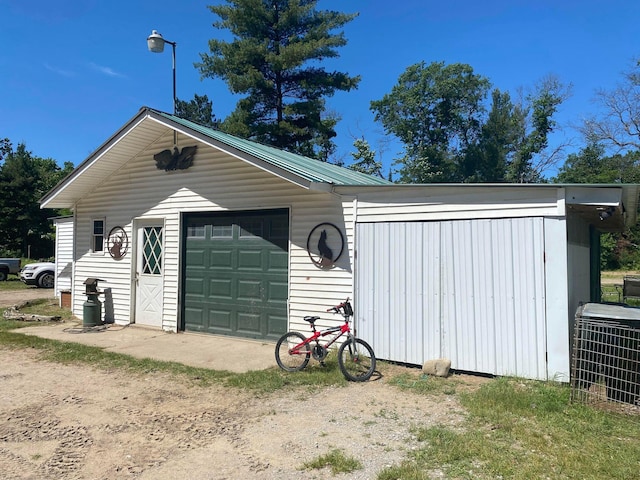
x: 274, y: 61
x: 198, y: 110
x: 364, y: 159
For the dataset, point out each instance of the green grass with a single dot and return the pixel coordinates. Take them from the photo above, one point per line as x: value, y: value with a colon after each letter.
x: 259, y: 381
x: 425, y: 384
x: 611, y: 293
x: 336, y: 460
x: 13, y: 283
x: 611, y: 287
x: 521, y: 429
x: 48, y: 307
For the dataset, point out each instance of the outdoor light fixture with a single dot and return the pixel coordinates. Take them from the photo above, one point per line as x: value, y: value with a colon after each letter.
x: 606, y: 213
x: 156, y: 42
x: 175, y: 159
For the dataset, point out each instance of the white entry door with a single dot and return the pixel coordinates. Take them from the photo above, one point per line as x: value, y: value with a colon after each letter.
x: 149, y: 268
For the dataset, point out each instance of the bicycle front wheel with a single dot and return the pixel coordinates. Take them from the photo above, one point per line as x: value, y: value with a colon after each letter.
x: 289, y: 357
x: 356, y: 360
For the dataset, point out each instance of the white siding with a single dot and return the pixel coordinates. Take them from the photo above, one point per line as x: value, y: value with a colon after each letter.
x: 64, y: 254
x: 216, y: 182
x: 427, y: 203
x: 470, y: 290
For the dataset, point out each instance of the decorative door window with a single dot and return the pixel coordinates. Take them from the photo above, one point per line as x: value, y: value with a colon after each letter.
x: 152, y: 250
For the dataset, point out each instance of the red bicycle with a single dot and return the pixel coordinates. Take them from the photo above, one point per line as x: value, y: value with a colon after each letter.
x: 355, y: 357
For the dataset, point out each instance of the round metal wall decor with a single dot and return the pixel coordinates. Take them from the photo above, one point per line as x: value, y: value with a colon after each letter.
x: 325, y: 245
x: 117, y: 243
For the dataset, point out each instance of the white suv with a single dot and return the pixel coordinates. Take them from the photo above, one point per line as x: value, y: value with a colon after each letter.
x: 39, y: 274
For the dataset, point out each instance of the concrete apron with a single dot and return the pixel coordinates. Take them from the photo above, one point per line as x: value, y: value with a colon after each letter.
x: 194, y: 349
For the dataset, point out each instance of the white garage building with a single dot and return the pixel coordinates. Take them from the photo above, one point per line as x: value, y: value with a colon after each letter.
x: 227, y: 238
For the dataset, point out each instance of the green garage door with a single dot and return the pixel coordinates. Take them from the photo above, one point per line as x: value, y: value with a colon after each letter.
x: 236, y: 273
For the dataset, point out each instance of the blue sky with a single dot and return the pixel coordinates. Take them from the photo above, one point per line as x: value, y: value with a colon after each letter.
x: 72, y: 72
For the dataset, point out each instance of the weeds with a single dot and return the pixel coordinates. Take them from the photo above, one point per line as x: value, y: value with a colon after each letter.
x: 336, y: 460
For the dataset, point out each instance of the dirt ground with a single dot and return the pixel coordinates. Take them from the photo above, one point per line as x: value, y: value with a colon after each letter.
x: 75, y: 422
x: 9, y: 298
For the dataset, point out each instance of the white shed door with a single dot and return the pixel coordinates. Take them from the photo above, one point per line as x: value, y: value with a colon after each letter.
x: 149, y: 284
x: 468, y: 290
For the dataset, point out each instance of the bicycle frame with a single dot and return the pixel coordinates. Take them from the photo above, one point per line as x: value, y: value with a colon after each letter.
x: 344, y: 328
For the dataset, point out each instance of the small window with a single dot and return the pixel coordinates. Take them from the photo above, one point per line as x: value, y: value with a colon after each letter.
x: 279, y: 228
x: 251, y: 228
x: 196, y: 231
x: 222, y: 231
x: 97, y: 236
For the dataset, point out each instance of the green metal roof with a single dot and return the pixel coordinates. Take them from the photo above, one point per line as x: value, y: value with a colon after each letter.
x: 307, y: 168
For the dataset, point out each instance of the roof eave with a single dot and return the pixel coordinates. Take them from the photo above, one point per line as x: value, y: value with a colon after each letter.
x: 49, y: 199
x: 255, y: 161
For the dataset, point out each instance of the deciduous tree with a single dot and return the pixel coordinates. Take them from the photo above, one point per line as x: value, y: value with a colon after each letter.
x: 24, y: 179
x: 591, y: 165
x: 531, y: 157
x: 618, y: 125
x: 438, y: 112
x: 488, y: 159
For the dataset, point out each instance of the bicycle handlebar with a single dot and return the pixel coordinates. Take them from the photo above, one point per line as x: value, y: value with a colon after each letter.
x: 344, y: 306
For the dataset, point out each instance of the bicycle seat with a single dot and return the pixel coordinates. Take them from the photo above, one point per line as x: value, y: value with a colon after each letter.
x: 310, y: 319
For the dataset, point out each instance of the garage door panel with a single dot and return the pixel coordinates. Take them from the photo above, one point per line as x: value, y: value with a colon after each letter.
x: 249, y: 322
x: 195, y: 317
x: 277, y: 292
x: 195, y: 258
x: 249, y: 290
x: 277, y: 261
x: 219, y: 287
x: 276, y: 324
x: 241, y: 262
x: 220, y: 319
x: 220, y: 258
x: 195, y: 287
x: 250, y: 260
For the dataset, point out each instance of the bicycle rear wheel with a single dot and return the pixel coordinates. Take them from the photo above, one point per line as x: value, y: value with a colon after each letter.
x: 289, y: 359
x: 356, y: 360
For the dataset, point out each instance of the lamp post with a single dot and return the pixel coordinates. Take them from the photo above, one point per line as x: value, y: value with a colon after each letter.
x: 156, y: 42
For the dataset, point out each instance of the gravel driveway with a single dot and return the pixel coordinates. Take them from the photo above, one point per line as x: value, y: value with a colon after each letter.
x: 77, y: 422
